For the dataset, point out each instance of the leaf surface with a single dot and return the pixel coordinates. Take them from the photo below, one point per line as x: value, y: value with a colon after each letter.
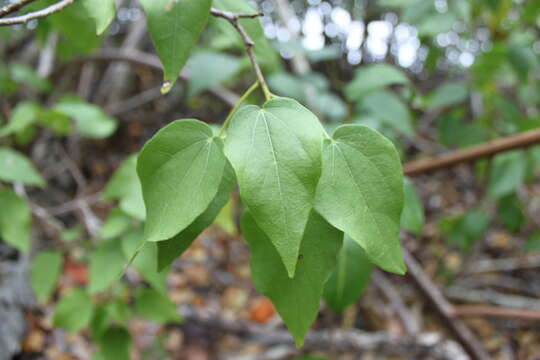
x: 180, y: 170
x: 15, y: 167
x: 275, y: 151
x: 361, y: 192
x: 102, y: 11
x: 74, y: 311
x: 175, y: 26
x: 296, y: 299
x: 349, y: 278
x: 15, y: 220
x: 46, y: 268
x: 173, y: 248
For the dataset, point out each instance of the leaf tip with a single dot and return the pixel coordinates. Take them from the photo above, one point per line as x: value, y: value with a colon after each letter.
x: 166, y: 87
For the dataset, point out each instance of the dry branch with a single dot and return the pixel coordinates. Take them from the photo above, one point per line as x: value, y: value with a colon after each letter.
x: 23, y: 19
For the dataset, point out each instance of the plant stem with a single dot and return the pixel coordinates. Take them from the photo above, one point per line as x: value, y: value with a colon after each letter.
x: 237, y: 106
x: 233, y: 19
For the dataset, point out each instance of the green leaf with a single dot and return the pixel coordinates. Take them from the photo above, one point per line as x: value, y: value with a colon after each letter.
x: 173, y: 248
x: 265, y: 53
x: 435, y: 24
x: 115, y: 344
x: 275, y: 151
x: 296, y: 299
x: 74, y: 311
x: 15, y: 220
x: 46, y: 268
x: 374, y: 77
x: 15, y: 167
x: 508, y: 171
x: 361, y: 192
x: 210, y: 68
x: 23, y: 74
x: 349, y: 278
x: 465, y: 230
x: 24, y: 115
x: 116, y: 224
x: 180, y: 169
x: 412, y: 217
x: 146, y: 260
x: 125, y: 187
x: 155, y: 306
x: 102, y: 11
x: 106, y: 264
x: 510, y: 213
x: 447, y: 95
x: 90, y: 120
x: 389, y: 108
x: 175, y: 27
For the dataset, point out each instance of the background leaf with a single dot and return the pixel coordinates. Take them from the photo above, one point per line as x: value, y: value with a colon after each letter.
x: 15, y: 220
x: 349, y: 278
x: 106, y: 265
x: 155, y: 306
x: 74, y: 311
x: 374, y: 77
x: 46, y: 268
x: 102, y: 11
x: 15, y: 167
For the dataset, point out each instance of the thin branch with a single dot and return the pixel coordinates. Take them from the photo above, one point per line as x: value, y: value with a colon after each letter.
x: 11, y: 8
x: 463, y: 334
x: 340, y: 340
x: 23, y: 19
x: 496, y: 312
x: 233, y: 18
x: 488, y: 149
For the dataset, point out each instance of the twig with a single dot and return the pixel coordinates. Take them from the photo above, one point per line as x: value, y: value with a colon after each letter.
x: 396, y: 301
x: 46, y: 56
x: 492, y: 297
x: 348, y: 340
x: 445, y: 310
x: 488, y: 149
x: 233, y: 18
x: 496, y: 311
x: 23, y: 19
x: 11, y: 8
x: 508, y: 264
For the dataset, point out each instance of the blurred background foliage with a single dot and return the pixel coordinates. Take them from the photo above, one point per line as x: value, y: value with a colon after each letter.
x: 432, y: 75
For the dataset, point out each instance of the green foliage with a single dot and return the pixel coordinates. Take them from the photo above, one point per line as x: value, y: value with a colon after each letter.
x: 361, y: 192
x: 279, y: 183
x: 74, y: 311
x: 173, y: 248
x: 155, y: 306
x: 125, y: 187
x: 465, y: 230
x: 447, y: 95
x: 508, y: 171
x: 390, y: 110
x: 15, y: 167
x: 175, y: 27
x: 296, y: 298
x: 102, y: 11
x: 412, y: 217
x: 46, y: 268
x: 15, y: 220
x: 210, y: 68
x: 115, y: 344
x: 182, y: 156
x: 90, y: 120
x: 374, y: 77
x: 349, y: 278
x: 106, y: 263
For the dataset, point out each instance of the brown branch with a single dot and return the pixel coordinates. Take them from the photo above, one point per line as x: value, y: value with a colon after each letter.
x: 463, y: 334
x: 488, y: 149
x: 11, y: 8
x: 233, y: 18
x: 23, y: 19
x: 496, y: 311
